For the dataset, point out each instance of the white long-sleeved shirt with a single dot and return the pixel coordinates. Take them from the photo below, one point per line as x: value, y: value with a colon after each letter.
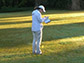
x: 37, y: 21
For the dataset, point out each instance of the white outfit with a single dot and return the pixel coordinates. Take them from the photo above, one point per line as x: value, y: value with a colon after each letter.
x: 36, y: 21
x: 37, y: 27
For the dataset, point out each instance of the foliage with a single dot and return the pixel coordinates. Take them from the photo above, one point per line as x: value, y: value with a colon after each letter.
x: 16, y: 3
x: 55, y: 4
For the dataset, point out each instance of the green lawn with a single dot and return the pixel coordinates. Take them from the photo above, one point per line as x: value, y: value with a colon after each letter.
x: 63, y: 38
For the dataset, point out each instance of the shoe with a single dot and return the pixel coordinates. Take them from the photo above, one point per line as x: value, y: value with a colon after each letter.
x: 40, y: 53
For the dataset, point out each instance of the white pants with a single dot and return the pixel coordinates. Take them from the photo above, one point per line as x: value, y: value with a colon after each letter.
x: 37, y: 38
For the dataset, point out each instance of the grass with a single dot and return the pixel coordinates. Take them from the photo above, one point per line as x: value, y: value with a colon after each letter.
x: 63, y: 38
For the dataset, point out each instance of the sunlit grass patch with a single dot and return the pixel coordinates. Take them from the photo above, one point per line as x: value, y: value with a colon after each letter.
x: 22, y: 25
x: 16, y: 19
x: 14, y: 22
x: 63, y: 40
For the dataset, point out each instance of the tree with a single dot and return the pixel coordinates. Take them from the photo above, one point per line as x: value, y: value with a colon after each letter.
x: 75, y: 5
x: 55, y: 4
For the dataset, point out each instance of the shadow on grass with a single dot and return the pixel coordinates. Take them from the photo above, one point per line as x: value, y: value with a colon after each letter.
x: 55, y: 32
x: 74, y: 55
x: 15, y: 14
x: 6, y: 23
x: 23, y: 36
x: 15, y: 37
x: 29, y: 13
x: 61, y: 11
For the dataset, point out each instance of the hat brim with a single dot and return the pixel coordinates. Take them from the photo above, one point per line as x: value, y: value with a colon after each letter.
x: 44, y: 10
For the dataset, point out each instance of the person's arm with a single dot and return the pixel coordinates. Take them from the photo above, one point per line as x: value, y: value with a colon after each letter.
x: 39, y: 18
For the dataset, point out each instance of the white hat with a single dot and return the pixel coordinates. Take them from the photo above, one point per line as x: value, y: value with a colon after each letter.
x: 42, y: 7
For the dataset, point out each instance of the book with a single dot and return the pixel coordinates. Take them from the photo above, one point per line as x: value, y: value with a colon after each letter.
x: 47, y: 20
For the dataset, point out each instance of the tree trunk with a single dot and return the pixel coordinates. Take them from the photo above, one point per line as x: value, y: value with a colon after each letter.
x: 10, y: 3
x: 37, y: 2
x: 4, y: 2
x: 75, y: 5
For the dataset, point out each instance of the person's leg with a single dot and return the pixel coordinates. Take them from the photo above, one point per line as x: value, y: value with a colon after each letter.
x: 39, y: 39
x: 34, y: 42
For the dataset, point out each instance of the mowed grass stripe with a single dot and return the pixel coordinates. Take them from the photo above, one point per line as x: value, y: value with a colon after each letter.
x: 63, y: 38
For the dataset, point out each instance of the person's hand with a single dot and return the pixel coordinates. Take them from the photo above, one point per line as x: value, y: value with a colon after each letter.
x: 46, y: 17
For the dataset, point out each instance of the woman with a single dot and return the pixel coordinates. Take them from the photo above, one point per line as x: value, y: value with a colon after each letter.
x: 37, y: 28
